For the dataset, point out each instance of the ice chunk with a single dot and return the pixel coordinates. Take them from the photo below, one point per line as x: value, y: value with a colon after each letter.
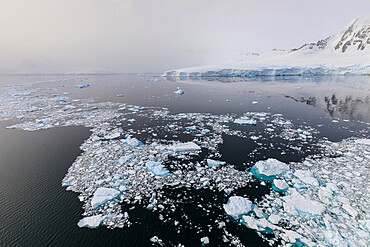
x: 334, y: 238
x: 269, y: 169
x: 279, y: 185
x: 69, y: 107
x: 157, y: 169
x: 363, y: 141
x: 295, y: 204
x: 179, y: 91
x: 112, y: 136
x: 133, y: 142
x: 91, y: 221
x: 184, y: 147
x: 156, y: 240
x: 204, y: 240
x: 103, y: 195
x: 82, y: 85
x: 192, y: 128
x: 238, y: 206
x: 306, y: 177
x: 124, y: 159
x: 350, y: 210
x: 215, y: 163
x: 245, y: 121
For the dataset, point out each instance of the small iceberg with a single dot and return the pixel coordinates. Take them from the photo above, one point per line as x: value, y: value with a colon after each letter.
x: 269, y: 169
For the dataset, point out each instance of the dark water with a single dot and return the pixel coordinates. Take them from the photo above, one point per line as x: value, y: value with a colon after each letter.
x: 36, y: 211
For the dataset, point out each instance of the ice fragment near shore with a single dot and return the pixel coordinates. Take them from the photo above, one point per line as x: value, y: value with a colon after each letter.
x: 103, y: 195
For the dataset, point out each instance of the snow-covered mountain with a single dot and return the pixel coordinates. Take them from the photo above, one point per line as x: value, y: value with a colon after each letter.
x: 345, y: 53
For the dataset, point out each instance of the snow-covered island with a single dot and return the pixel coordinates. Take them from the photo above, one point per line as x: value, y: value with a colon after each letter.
x: 346, y: 53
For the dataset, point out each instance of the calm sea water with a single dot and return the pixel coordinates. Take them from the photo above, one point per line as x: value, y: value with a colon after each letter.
x: 36, y: 211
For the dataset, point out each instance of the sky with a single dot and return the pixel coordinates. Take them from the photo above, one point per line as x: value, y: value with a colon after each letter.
x: 126, y: 36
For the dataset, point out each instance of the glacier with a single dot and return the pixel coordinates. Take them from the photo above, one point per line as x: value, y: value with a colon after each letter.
x: 346, y: 53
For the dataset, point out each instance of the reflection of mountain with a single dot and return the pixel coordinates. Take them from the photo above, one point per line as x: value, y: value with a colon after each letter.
x: 349, y: 107
x: 310, y: 101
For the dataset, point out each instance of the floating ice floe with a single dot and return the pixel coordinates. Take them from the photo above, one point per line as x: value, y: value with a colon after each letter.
x: 91, y: 221
x: 245, y: 121
x: 103, y: 195
x: 184, y: 147
x: 157, y: 169
x: 238, y: 206
x: 215, y: 163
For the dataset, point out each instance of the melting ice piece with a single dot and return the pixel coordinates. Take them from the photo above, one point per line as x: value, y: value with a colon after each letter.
x: 179, y: 91
x: 238, y: 206
x: 82, y: 85
x: 184, y: 147
x: 91, y: 221
x: 279, y: 185
x: 269, y: 169
x: 295, y: 204
x: 157, y: 169
x: 215, y: 163
x: 245, y: 121
x: 103, y: 195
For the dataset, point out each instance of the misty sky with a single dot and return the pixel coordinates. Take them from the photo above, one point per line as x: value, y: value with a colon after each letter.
x: 156, y: 35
